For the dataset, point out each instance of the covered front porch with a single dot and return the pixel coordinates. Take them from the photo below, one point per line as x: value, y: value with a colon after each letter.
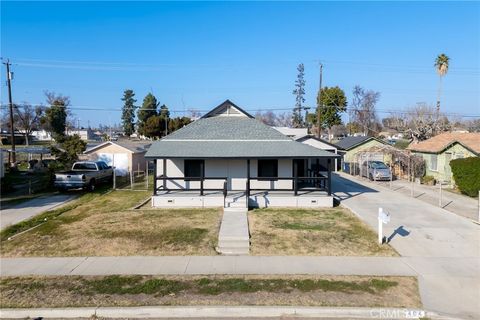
x: 252, y: 182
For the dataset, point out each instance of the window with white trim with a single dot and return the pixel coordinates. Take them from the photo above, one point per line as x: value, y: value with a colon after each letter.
x: 433, y: 162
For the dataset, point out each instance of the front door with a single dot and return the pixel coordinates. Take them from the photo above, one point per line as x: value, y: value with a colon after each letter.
x: 301, y: 165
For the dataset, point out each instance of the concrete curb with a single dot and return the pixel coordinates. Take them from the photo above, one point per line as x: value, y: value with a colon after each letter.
x: 221, y: 311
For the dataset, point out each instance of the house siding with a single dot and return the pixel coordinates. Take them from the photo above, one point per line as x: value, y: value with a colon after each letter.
x: 235, y: 170
x: 350, y: 154
x: 442, y: 171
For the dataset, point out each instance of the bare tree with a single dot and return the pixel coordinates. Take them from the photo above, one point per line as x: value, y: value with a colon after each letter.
x: 275, y: 119
x: 268, y: 117
x: 363, y: 112
x: 424, y: 122
x: 27, y: 119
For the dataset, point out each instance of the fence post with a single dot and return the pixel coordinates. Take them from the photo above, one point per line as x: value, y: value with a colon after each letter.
x: 391, y: 174
x: 131, y: 179
x: 146, y: 174
x: 440, y: 196
x: 114, y: 179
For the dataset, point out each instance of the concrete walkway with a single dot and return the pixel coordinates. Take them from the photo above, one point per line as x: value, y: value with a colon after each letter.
x: 234, y: 237
x: 30, y: 208
x: 443, y: 248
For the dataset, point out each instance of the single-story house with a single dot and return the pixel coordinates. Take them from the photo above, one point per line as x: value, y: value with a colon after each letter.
x: 227, y: 156
x: 322, y: 144
x: 438, y: 151
x: 126, y: 156
x: 348, y: 147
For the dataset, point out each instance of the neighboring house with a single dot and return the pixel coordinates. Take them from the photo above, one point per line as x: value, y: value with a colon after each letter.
x: 293, y: 133
x: 441, y: 149
x: 348, y: 147
x: 85, y: 134
x: 125, y: 156
x: 321, y: 144
x: 41, y: 135
x: 229, y: 152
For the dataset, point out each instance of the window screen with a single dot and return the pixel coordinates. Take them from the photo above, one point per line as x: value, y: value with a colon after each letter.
x: 267, y: 168
x: 193, y: 168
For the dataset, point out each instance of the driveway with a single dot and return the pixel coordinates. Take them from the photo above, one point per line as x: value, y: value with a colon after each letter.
x: 30, y: 208
x: 441, y: 246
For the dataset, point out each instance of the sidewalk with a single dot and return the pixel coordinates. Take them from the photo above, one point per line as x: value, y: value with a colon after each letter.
x: 443, y: 248
x: 209, y: 265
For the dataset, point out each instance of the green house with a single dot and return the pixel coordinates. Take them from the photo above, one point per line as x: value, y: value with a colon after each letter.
x: 438, y: 151
x: 348, y: 147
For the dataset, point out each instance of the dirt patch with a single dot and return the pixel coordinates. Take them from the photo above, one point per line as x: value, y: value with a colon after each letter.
x: 325, y: 232
x: 73, y: 291
x: 105, y: 225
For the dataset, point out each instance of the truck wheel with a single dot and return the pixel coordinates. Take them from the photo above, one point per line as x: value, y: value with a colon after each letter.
x: 91, y: 185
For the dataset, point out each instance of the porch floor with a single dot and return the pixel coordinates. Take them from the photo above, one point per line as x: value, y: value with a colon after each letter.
x: 257, y: 199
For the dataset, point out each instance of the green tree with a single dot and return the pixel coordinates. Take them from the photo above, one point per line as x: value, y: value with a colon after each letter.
x: 154, y: 127
x: 55, y: 118
x: 299, y: 92
x: 331, y: 102
x: 147, y: 110
x: 177, y: 123
x: 128, y: 112
x: 164, y: 112
x: 441, y: 66
x: 70, y: 148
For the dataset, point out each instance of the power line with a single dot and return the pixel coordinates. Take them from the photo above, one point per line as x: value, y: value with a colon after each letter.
x: 253, y: 109
x: 125, y: 66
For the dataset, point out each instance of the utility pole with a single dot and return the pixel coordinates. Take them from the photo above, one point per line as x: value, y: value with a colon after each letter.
x: 12, y: 134
x: 319, y: 125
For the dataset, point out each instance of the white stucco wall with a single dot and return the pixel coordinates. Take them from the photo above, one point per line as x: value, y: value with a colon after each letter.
x: 323, y: 146
x: 235, y: 170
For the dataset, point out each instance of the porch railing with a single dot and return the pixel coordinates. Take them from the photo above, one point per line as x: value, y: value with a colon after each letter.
x: 314, y: 183
x: 320, y: 183
x: 202, y: 189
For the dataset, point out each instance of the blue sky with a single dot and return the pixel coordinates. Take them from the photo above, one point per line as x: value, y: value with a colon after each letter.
x: 195, y: 55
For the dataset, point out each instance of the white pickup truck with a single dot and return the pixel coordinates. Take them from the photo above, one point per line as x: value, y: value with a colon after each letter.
x: 84, y: 174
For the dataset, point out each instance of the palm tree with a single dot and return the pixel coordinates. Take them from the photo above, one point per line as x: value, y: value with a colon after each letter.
x: 441, y: 65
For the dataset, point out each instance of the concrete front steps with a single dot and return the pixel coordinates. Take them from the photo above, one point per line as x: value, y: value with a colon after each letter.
x: 234, y: 237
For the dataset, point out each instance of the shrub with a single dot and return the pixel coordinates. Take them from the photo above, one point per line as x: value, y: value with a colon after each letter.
x: 466, y: 173
x: 428, y: 180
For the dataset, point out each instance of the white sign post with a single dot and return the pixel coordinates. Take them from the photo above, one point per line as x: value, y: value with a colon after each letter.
x: 383, y: 218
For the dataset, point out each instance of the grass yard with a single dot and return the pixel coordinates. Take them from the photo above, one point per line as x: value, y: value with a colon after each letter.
x: 74, y: 291
x: 324, y: 232
x: 104, y: 224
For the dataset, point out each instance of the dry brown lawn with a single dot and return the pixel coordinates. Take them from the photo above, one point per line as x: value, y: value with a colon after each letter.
x: 338, y: 291
x: 323, y: 232
x: 106, y: 225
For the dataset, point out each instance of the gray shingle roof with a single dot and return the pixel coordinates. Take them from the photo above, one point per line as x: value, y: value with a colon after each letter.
x: 234, y: 149
x: 231, y: 137
x: 226, y: 128
x: 348, y: 143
